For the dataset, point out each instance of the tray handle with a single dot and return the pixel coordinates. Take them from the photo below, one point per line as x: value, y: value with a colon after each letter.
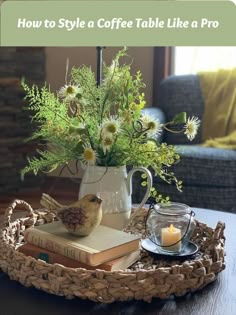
x: 10, y: 209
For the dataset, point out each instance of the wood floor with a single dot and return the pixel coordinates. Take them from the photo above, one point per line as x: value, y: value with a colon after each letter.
x: 63, y: 190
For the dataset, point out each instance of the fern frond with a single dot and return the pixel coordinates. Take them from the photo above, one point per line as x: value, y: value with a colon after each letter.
x: 47, y: 162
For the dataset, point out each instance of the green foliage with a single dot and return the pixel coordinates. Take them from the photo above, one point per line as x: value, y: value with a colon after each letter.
x: 180, y: 118
x: 101, y: 125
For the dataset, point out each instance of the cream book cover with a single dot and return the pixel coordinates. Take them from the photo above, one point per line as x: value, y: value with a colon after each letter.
x: 102, y: 245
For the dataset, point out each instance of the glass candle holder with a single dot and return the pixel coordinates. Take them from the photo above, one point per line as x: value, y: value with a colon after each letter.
x: 170, y: 226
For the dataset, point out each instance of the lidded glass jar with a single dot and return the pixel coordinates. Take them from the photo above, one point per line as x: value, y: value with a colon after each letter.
x: 170, y: 226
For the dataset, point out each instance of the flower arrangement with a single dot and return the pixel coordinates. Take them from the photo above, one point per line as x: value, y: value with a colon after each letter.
x: 102, y: 125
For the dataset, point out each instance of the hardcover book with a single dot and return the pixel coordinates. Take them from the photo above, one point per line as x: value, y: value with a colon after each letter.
x: 102, y: 245
x: 52, y: 258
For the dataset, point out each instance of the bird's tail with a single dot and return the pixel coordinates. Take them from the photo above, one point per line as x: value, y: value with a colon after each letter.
x: 49, y: 203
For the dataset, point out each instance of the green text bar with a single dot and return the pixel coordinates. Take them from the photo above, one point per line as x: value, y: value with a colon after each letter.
x: 115, y: 23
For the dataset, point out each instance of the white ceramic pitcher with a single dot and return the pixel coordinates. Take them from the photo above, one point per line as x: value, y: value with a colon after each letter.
x: 114, y: 186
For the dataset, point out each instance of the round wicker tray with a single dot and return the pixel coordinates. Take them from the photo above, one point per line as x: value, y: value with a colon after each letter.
x: 146, y: 279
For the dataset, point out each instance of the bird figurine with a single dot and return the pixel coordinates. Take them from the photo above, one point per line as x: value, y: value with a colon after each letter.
x: 79, y: 218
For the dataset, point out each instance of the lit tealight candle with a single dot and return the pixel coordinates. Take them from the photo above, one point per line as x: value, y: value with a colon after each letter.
x: 171, y: 235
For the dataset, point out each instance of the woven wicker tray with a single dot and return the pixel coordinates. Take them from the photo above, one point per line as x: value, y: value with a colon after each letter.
x: 146, y: 279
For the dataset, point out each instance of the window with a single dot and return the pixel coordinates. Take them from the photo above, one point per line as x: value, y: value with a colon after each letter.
x: 190, y: 60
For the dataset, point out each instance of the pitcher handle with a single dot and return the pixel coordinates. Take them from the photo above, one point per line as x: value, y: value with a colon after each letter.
x: 149, y: 183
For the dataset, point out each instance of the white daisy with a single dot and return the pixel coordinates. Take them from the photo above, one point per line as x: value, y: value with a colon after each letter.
x: 68, y: 92
x: 191, y: 127
x: 89, y: 156
x: 153, y: 126
x: 107, y: 142
x: 111, y: 125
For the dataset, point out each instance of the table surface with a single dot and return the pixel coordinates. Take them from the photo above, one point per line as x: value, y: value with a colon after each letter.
x: 217, y: 298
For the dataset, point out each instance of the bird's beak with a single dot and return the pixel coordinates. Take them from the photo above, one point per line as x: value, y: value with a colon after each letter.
x: 99, y: 200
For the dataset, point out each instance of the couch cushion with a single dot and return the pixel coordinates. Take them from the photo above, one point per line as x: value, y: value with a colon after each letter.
x: 209, y: 179
x: 181, y: 93
x: 209, y: 197
x: 202, y: 166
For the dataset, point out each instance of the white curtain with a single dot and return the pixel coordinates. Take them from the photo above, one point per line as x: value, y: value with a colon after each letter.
x: 190, y: 60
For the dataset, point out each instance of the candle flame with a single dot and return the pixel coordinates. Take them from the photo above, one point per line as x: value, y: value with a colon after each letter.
x: 171, y: 228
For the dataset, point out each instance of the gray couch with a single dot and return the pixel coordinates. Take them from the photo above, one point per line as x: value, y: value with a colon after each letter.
x: 208, y: 174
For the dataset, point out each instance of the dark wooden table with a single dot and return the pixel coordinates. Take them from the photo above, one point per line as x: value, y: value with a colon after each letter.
x: 216, y: 299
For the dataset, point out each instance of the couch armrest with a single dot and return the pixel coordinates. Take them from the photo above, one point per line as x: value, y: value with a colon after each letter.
x: 155, y: 112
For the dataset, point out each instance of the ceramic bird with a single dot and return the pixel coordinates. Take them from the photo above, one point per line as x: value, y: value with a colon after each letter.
x: 79, y: 218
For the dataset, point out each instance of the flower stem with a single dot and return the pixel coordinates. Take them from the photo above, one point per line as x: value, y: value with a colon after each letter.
x: 107, y: 93
x: 171, y: 130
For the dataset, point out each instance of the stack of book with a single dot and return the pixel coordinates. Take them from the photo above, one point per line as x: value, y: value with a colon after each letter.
x: 105, y: 248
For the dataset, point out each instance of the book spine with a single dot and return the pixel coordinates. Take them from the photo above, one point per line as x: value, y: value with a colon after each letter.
x: 54, y: 245
x: 54, y: 258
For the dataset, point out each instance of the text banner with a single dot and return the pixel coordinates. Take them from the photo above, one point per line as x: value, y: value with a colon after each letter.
x: 133, y: 23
